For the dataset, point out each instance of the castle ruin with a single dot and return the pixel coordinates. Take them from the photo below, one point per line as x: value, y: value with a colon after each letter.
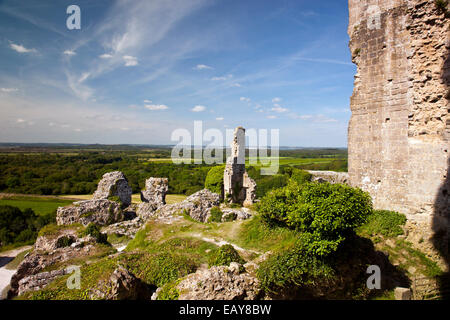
x: 238, y: 186
x: 399, y: 132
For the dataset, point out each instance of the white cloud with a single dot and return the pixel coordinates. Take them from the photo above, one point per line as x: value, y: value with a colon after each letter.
x: 105, y: 56
x: 130, y: 61
x: 220, y: 118
x: 245, y: 99
x: 279, y: 109
x: 154, y: 107
x: 202, y: 67
x: 198, y: 109
x: 7, y: 90
x: 69, y: 52
x: 271, y: 117
x: 223, y: 78
x: 21, y: 49
x: 237, y: 85
x: 276, y: 100
x: 83, y: 77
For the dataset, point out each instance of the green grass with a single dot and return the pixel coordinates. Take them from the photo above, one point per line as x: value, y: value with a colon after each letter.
x: 17, y: 260
x: 40, y: 205
x: 257, y: 235
x: 383, y: 222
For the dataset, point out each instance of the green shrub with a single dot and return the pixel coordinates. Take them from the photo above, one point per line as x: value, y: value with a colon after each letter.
x: 383, y: 222
x: 292, y: 267
x: 300, y: 176
x: 324, y: 212
x: 224, y: 256
x: 64, y: 241
x: 216, y: 214
x: 441, y: 5
x: 93, y: 230
x: 169, y: 291
x: 214, y: 180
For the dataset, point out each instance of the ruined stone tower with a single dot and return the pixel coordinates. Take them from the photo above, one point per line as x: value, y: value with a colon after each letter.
x: 238, y: 186
x: 399, y: 132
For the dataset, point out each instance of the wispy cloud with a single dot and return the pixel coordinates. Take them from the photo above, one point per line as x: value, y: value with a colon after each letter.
x: 222, y: 78
x: 202, y: 67
x: 279, y: 109
x: 69, y: 53
x: 20, y: 48
x: 198, y: 109
x: 105, y: 56
x: 8, y: 90
x: 220, y: 118
x: 276, y: 100
x: 245, y: 99
x: 156, y: 107
x: 130, y: 61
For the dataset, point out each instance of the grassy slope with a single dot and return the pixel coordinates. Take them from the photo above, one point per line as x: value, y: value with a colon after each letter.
x: 40, y: 205
x: 185, y: 245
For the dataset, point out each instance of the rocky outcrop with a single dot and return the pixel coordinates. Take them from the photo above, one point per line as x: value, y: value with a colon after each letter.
x: 48, y: 251
x: 114, y: 184
x: 197, y: 206
x: 122, y: 285
x: 219, y: 283
x: 155, y: 190
x: 146, y: 210
x: 125, y: 228
x: 329, y: 176
x: 230, y: 214
x: 38, y: 281
x: 111, y: 203
x: 101, y: 212
x: 250, y: 190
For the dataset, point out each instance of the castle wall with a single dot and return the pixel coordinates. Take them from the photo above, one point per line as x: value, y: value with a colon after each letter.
x: 399, y: 131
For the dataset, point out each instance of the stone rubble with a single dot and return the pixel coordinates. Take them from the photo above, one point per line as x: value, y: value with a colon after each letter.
x: 114, y: 184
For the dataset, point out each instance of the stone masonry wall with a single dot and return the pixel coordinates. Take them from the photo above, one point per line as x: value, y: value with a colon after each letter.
x: 399, y: 132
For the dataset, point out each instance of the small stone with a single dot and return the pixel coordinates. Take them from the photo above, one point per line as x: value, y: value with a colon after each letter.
x: 402, y: 293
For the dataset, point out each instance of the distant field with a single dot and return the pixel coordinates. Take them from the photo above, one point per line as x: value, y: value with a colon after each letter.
x: 136, y: 198
x: 44, y: 205
x: 288, y: 160
x: 40, y: 205
x: 256, y: 161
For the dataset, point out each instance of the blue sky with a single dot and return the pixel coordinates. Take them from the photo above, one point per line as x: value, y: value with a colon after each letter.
x: 137, y: 70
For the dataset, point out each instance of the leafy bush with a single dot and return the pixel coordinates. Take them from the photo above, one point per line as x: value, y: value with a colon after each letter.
x: 292, y: 267
x: 94, y: 231
x: 64, y: 241
x: 214, y: 180
x: 169, y: 291
x: 216, y: 214
x: 224, y: 256
x: 386, y: 223
x: 300, y: 176
x: 325, y: 213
